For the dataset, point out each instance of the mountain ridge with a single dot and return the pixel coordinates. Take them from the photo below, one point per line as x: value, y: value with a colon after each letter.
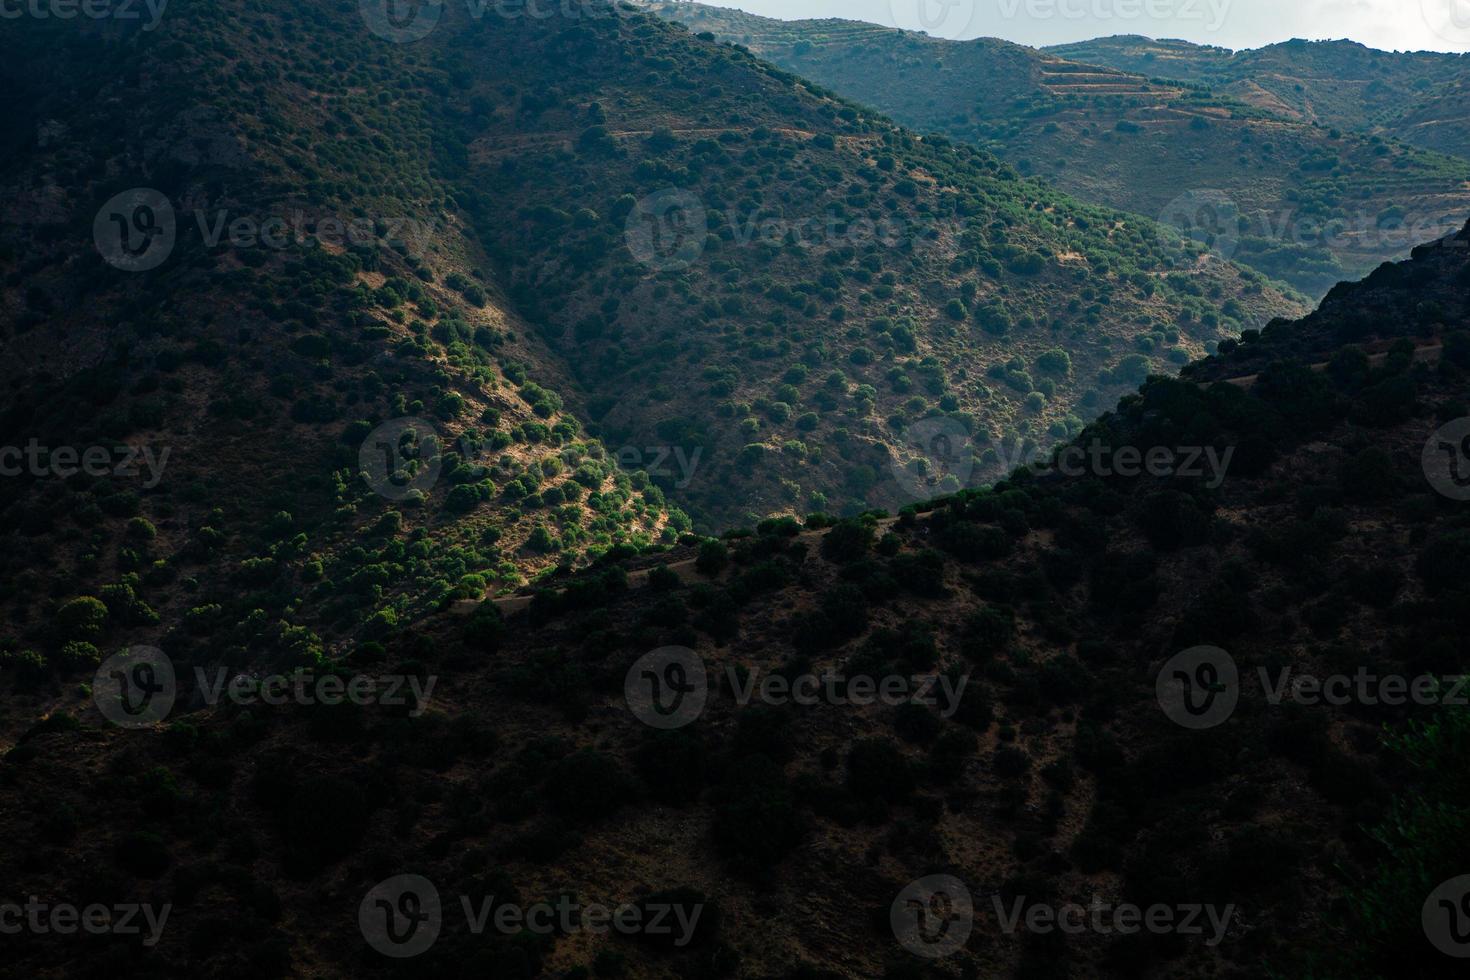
x: 1308, y: 205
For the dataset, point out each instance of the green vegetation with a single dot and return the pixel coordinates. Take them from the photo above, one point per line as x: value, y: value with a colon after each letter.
x: 1295, y: 201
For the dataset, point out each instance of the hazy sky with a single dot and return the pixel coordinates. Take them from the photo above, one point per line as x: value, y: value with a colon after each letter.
x: 1435, y: 25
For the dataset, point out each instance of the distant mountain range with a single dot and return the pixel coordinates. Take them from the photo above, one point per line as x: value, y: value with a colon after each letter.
x: 1269, y: 155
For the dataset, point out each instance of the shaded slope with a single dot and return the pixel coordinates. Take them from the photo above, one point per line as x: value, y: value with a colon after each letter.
x: 302, y: 278
x: 1058, y: 779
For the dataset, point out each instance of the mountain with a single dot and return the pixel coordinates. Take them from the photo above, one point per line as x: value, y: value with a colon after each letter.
x: 1058, y: 770
x: 375, y: 381
x: 1414, y: 96
x: 252, y: 305
x: 827, y: 281
x: 1266, y: 185
x: 403, y: 323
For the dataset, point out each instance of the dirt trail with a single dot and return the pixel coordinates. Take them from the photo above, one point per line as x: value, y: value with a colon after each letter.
x: 490, y: 146
x: 1424, y: 353
x: 637, y: 579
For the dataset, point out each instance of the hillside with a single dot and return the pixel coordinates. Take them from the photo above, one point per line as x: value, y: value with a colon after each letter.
x: 253, y: 306
x: 800, y: 841
x: 827, y: 282
x: 1304, y: 204
x: 1417, y: 96
x: 396, y: 329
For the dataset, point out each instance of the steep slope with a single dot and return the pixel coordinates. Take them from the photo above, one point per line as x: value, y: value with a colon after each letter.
x: 257, y: 279
x: 1303, y: 204
x: 1333, y: 83
x: 801, y: 840
x: 735, y: 263
x: 346, y: 329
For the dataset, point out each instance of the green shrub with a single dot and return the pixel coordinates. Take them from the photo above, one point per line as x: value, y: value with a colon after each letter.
x: 82, y: 618
x: 713, y: 557
x: 847, y: 541
x: 78, y: 655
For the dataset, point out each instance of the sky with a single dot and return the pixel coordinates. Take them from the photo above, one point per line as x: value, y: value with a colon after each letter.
x: 1392, y: 25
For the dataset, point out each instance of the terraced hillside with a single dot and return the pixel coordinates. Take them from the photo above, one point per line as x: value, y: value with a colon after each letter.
x: 1417, y: 97
x: 735, y: 265
x: 1304, y: 204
